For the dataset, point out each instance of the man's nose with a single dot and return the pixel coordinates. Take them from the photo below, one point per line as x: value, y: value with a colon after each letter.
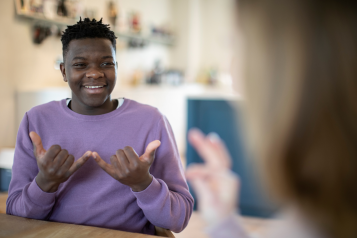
x: 94, y: 73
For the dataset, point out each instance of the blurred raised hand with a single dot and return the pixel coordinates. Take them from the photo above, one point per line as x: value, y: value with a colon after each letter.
x: 215, y: 185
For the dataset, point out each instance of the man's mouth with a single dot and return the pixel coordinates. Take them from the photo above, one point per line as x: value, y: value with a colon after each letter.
x: 93, y: 86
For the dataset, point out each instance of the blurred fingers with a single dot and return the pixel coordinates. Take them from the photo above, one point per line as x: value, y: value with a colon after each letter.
x: 221, y: 182
x: 197, y: 171
x: 203, y: 148
x: 220, y: 148
x: 216, y: 190
x: 202, y: 189
x: 211, y: 149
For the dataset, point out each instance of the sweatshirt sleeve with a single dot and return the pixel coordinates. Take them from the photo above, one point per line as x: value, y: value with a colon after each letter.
x: 166, y: 202
x: 25, y: 198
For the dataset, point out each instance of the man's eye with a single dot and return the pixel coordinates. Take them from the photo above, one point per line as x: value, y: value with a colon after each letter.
x: 79, y: 65
x: 107, y: 64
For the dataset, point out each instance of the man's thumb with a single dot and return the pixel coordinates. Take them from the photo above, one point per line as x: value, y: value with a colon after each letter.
x: 37, y: 144
x: 149, y: 154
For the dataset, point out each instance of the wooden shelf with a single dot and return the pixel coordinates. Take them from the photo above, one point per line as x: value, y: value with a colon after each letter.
x: 59, y: 21
x: 63, y: 21
x: 168, y: 41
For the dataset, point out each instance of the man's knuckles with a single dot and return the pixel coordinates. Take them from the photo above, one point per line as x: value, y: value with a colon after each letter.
x: 134, y: 165
x: 113, y: 159
x: 70, y: 159
x: 52, y: 171
x: 62, y: 154
x: 121, y: 153
x: 126, y: 172
x: 55, y: 148
x: 128, y: 149
x: 148, y: 159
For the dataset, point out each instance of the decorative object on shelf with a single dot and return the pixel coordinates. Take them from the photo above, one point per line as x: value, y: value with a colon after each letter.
x: 162, y: 76
x: 136, y: 43
x: 47, y: 16
x: 75, y: 9
x: 112, y: 14
x: 62, y: 9
x: 40, y: 33
x: 52, y: 9
x: 49, y: 9
x: 137, y: 77
x: 22, y: 4
x: 208, y: 76
x: 214, y: 77
x: 172, y: 77
x: 155, y: 74
x: 36, y: 6
x: 161, y: 31
x: 135, y: 22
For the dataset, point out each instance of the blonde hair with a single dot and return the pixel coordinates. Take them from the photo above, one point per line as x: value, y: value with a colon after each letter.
x: 301, y: 86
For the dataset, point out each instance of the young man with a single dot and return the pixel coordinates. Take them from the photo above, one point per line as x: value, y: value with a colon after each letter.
x: 135, y: 181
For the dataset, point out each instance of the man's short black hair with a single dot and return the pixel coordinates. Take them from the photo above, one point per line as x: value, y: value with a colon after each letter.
x: 86, y: 29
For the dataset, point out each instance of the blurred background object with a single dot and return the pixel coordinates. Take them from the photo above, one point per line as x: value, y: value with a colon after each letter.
x: 112, y: 13
x: 223, y: 117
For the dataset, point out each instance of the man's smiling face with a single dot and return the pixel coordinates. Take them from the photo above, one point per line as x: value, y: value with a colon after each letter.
x: 90, y: 70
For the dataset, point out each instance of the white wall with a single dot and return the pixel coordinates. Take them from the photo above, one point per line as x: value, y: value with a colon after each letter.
x: 187, y: 20
x: 206, y: 38
x: 217, y: 29
x: 7, y: 103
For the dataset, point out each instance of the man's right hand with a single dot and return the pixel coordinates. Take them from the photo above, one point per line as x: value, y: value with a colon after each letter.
x: 55, y: 165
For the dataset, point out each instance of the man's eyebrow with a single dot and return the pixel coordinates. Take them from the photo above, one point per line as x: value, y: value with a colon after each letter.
x: 83, y: 58
x: 79, y: 58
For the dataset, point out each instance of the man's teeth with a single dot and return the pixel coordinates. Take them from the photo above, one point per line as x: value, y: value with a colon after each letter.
x: 93, y: 86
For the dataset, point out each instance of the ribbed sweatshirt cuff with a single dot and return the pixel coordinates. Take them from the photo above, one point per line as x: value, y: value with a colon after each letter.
x: 150, y: 193
x: 39, y: 197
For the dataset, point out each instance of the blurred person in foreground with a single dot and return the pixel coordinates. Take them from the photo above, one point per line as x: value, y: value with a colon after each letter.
x: 301, y: 103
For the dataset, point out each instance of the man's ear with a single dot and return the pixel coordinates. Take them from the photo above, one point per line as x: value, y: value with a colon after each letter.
x: 63, y: 71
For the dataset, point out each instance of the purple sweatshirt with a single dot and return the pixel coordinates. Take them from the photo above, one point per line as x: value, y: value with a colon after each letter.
x: 91, y: 196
